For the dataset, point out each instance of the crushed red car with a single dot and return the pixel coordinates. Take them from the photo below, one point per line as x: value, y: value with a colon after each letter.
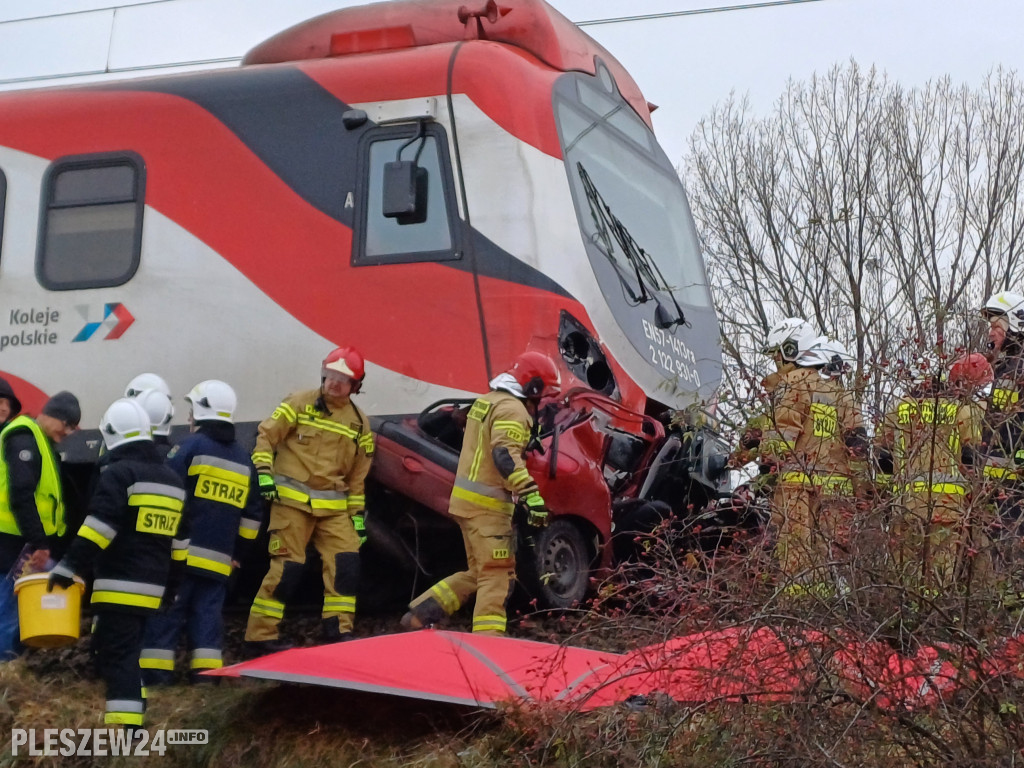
x: 605, y: 471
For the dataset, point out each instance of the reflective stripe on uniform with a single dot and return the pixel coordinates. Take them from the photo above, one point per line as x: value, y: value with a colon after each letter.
x: 157, y: 658
x: 999, y: 473
x: 777, y: 446
x: 157, y: 494
x: 137, y: 594
x: 483, y: 501
x: 339, y: 604
x: 124, y: 712
x: 478, y: 412
x: 312, y: 420
x: 950, y: 489
x: 491, y: 491
x: 489, y: 623
x: 263, y: 457
x: 209, y: 560
x: 207, y: 658
x: 96, y: 531
x: 268, y: 607
x: 218, y: 467
x: 287, y: 488
x: 446, y: 597
x: 286, y: 412
x: 519, y: 477
x: 179, y: 549
x: 248, y: 528
x: 836, y: 484
x: 513, y: 429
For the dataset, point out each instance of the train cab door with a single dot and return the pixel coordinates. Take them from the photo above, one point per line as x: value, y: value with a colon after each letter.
x: 409, y: 249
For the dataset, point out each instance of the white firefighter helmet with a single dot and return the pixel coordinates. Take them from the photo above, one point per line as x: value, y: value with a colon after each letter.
x: 125, y: 421
x: 829, y: 354
x: 160, y: 409
x: 212, y: 400
x: 1006, y: 304
x: 145, y: 381
x: 790, y: 337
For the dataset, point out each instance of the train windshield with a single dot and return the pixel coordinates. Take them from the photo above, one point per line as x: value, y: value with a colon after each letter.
x: 632, y: 208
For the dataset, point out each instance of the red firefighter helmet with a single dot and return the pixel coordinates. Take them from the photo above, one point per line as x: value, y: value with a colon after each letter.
x: 536, y: 374
x: 971, y: 370
x: 348, y: 362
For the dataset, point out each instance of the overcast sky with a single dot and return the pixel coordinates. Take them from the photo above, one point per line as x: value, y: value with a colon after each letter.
x: 685, y: 63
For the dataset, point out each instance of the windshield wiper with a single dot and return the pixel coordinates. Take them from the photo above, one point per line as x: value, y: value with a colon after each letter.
x: 608, y: 226
x: 604, y: 220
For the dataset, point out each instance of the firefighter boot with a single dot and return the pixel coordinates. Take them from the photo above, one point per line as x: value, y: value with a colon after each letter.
x: 425, y: 614
x: 331, y: 632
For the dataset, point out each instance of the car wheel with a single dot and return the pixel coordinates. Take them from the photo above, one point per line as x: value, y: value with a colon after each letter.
x: 556, y: 567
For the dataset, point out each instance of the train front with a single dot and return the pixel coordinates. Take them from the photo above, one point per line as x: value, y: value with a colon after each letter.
x: 651, y: 302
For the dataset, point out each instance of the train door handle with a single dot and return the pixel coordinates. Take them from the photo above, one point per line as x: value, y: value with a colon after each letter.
x: 412, y: 464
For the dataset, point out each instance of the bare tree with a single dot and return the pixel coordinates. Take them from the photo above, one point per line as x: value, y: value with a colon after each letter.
x: 883, y: 215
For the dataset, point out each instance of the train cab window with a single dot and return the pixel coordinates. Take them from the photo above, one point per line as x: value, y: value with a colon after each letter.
x: 91, y: 230
x: 381, y: 239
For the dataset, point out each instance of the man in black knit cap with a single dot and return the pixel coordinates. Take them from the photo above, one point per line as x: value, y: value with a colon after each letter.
x: 31, y: 499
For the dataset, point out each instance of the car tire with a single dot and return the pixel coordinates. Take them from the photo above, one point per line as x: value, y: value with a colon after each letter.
x: 555, y: 564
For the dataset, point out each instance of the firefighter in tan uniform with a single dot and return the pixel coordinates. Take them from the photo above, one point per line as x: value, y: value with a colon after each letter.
x: 934, y: 436
x: 491, y: 475
x: 312, y: 457
x: 810, y: 432
x: 844, y: 477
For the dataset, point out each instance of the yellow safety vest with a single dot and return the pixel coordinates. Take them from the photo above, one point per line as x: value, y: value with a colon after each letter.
x: 48, y: 497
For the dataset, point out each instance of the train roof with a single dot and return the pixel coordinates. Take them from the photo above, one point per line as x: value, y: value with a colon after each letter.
x: 531, y: 25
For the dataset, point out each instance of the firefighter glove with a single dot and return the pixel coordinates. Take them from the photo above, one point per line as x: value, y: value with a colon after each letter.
x: 58, y: 580
x: 268, y: 488
x: 359, y: 523
x: 536, y: 510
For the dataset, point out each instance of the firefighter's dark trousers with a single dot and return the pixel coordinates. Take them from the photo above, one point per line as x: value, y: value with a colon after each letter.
x: 198, y: 608
x: 116, y: 643
x: 490, y: 554
x: 336, y: 540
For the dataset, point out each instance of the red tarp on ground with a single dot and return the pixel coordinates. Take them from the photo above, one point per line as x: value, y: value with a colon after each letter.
x: 735, y: 664
x: 455, y: 667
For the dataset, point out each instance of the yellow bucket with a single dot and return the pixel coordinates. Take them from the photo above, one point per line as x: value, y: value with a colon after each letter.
x: 48, y: 619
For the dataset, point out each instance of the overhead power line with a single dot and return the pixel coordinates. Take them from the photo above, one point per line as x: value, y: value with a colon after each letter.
x: 692, y: 12
x: 233, y: 59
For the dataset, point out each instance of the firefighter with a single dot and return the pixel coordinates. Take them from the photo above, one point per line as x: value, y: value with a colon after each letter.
x: 492, y: 474
x: 841, y: 476
x: 161, y: 412
x: 786, y: 341
x: 312, y: 457
x: 126, y: 538
x: 145, y: 381
x: 806, y: 422
x: 1003, y: 436
x: 934, y: 437
x: 223, y: 509
x: 31, y: 500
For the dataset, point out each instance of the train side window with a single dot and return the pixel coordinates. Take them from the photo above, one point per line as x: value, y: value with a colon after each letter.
x: 379, y: 239
x: 3, y: 208
x: 90, y: 235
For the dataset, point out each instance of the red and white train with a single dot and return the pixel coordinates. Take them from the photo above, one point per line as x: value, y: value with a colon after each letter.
x: 440, y: 183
